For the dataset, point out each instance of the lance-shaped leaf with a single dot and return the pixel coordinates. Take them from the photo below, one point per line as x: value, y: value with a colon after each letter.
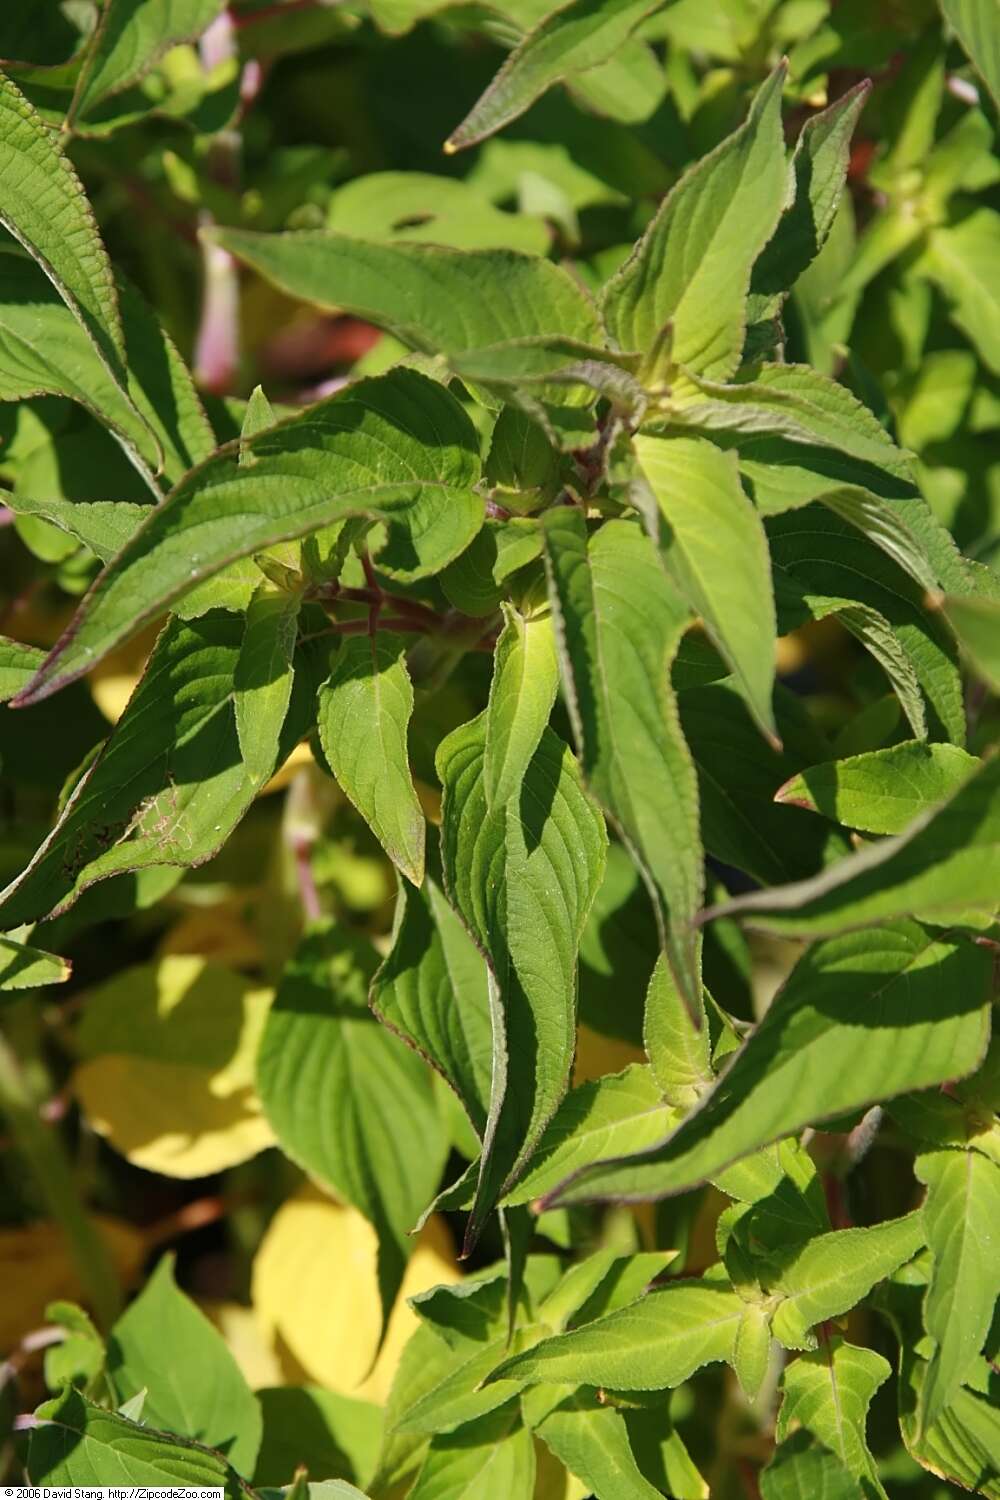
x: 491, y: 1456
x: 365, y: 707
x: 45, y: 207
x: 398, y: 448
x: 818, y: 171
x: 946, y: 862
x: 435, y: 299
x: 23, y: 967
x: 679, y: 1051
x: 825, y: 558
x: 578, y: 35
x: 681, y: 296
x: 618, y: 624
x: 154, y: 410
x: 974, y: 23
x: 738, y: 775
x: 715, y: 550
x: 963, y: 1444
x: 860, y: 1018
x: 976, y: 623
x: 833, y: 1272
x: 802, y: 1466
x: 962, y: 1219
x: 904, y: 670
x: 130, y: 37
x: 347, y: 1100
x: 959, y: 260
x: 593, y: 1443
x: 828, y: 1393
x: 169, y: 785
x: 611, y: 1116
x: 654, y: 1344
x: 75, y: 1443
x: 163, y: 1344
x: 883, y: 790
x: 103, y: 526
x: 800, y: 405
x: 525, y: 682
x: 432, y: 990
x: 523, y: 876
x: 264, y: 678
x: 18, y: 665
x: 783, y: 475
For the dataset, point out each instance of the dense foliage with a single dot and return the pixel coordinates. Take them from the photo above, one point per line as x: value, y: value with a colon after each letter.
x: 501, y: 812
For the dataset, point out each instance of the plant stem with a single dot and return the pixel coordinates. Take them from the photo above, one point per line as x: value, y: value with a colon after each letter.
x: 43, y: 1150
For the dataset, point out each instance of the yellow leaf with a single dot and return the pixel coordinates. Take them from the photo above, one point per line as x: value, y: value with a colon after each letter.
x: 215, y: 932
x: 315, y: 1292
x: 167, y: 1074
x: 35, y: 1259
x: 258, y: 1362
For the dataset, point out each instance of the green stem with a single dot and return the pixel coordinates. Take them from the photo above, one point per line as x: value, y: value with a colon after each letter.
x: 45, y: 1154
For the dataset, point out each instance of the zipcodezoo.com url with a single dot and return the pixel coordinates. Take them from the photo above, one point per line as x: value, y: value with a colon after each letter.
x: 111, y: 1492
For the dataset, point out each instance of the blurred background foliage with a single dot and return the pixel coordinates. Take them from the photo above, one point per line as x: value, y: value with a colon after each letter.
x: 304, y: 114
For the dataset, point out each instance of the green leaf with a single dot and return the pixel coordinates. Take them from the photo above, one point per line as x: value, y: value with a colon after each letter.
x: 974, y: 23
x: 522, y: 875
x: 525, y: 682
x: 346, y: 1099
x: 880, y: 639
x: 818, y: 172
x: 947, y: 861
x: 618, y: 623
x: 18, y: 664
x: 263, y: 679
x: 169, y: 784
x: 679, y: 1051
x: 434, y: 299
x: 961, y: 1214
x: 76, y: 1443
x: 798, y: 404
x: 153, y: 410
x: 976, y: 622
x: 822, y: 1050
x: 960, y: 259
x: 443, y: 210
x: 611, y: 1116
x: 653, y: 1344
x: 432, y: 990
x: 164, y: 1345
x: 130, y: 38
x: 738, y: 775
x: 462, y: 1396
x: 715, y: 550
x: 23, y: 967
x: 832, y: 1273
x: 681, y: 296
x: 326, y: 1432
x: 882, y: 791
x: 491, y: 1456
x: 103, y: 526
x: 398, y: 448
x: 42, y: 204
x: 365, y: 707
x: 593, y: 1443
x: 802, y: 1467
x: 819, y: 556
x: 578, y: 35
x: 828, y: 1393
x: 963, y: 1444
